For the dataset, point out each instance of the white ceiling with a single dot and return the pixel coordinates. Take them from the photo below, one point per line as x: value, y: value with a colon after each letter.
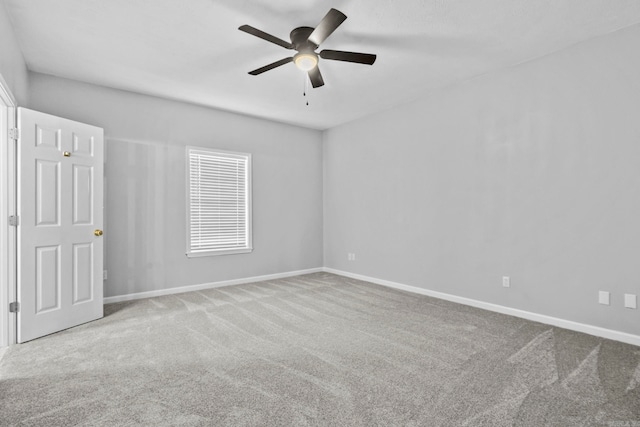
x: 191, y: 50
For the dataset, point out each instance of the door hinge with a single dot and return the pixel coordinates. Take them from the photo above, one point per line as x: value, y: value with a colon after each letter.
x: 14, y: 220
x: 14, y: 307
x: 14, y: 133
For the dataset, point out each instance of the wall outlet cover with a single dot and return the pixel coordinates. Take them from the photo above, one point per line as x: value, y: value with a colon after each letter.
x: 604, y: 297
x: 630, y: 301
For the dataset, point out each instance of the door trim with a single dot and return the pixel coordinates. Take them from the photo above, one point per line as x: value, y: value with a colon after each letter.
x: 8, y: 235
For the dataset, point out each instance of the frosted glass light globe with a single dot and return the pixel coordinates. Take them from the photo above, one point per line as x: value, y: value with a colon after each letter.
x: 306, y: 61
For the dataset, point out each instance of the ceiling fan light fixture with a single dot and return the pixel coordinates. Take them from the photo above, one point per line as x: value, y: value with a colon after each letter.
x: 306, y: 61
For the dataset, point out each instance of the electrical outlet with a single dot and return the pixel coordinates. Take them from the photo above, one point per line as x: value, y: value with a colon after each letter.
x: 104, y: 274
x: 630, y: 301
x: 506, y: 282
x: 604, y: 297
x: 351, y: 256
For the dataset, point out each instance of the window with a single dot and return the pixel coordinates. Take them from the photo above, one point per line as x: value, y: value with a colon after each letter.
x: 218, y: 202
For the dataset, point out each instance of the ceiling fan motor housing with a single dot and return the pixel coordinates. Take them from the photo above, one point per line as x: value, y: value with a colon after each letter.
x: 300, y: 39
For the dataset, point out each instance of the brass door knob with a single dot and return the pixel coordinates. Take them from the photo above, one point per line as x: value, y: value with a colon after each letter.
x: 66, y: 154
x: 98, y: 233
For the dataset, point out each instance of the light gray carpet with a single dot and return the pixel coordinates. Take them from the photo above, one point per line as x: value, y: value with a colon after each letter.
x: 317, y: 350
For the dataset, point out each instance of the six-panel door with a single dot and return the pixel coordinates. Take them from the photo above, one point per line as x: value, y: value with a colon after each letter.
x: 60, y: 243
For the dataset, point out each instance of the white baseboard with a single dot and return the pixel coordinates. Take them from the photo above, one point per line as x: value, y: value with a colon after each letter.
x: 549, y: 320
x: 200, y: 287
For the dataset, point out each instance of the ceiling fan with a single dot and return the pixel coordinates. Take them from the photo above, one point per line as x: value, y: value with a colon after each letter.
x: 305, y: 40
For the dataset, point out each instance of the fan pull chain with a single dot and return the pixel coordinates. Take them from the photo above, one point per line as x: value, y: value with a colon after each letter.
x: 306, y: 87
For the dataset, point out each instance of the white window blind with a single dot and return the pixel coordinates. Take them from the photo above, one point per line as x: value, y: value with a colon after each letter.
x: 218, y: 202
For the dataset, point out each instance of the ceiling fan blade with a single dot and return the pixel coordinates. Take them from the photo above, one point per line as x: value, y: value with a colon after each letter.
x: 328, y: 25
x: 270, y: 66
x: 340, y: 55
x: 265, y: 36
x: 316, y: 77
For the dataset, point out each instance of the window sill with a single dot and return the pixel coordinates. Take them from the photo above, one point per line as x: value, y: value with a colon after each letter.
x: 220, y: 252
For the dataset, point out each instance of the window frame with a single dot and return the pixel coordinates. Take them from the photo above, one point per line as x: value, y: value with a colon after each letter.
x: 249, y: 196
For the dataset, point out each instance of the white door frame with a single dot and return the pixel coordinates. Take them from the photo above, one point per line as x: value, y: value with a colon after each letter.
x: 8, y: 247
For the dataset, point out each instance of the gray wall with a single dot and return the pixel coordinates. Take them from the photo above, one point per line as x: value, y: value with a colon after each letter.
x: 145, y: 177
x: 12, y: 66
x: 531, y: 172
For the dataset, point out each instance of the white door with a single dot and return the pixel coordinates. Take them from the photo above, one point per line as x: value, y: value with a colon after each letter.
x: 60, y: 244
